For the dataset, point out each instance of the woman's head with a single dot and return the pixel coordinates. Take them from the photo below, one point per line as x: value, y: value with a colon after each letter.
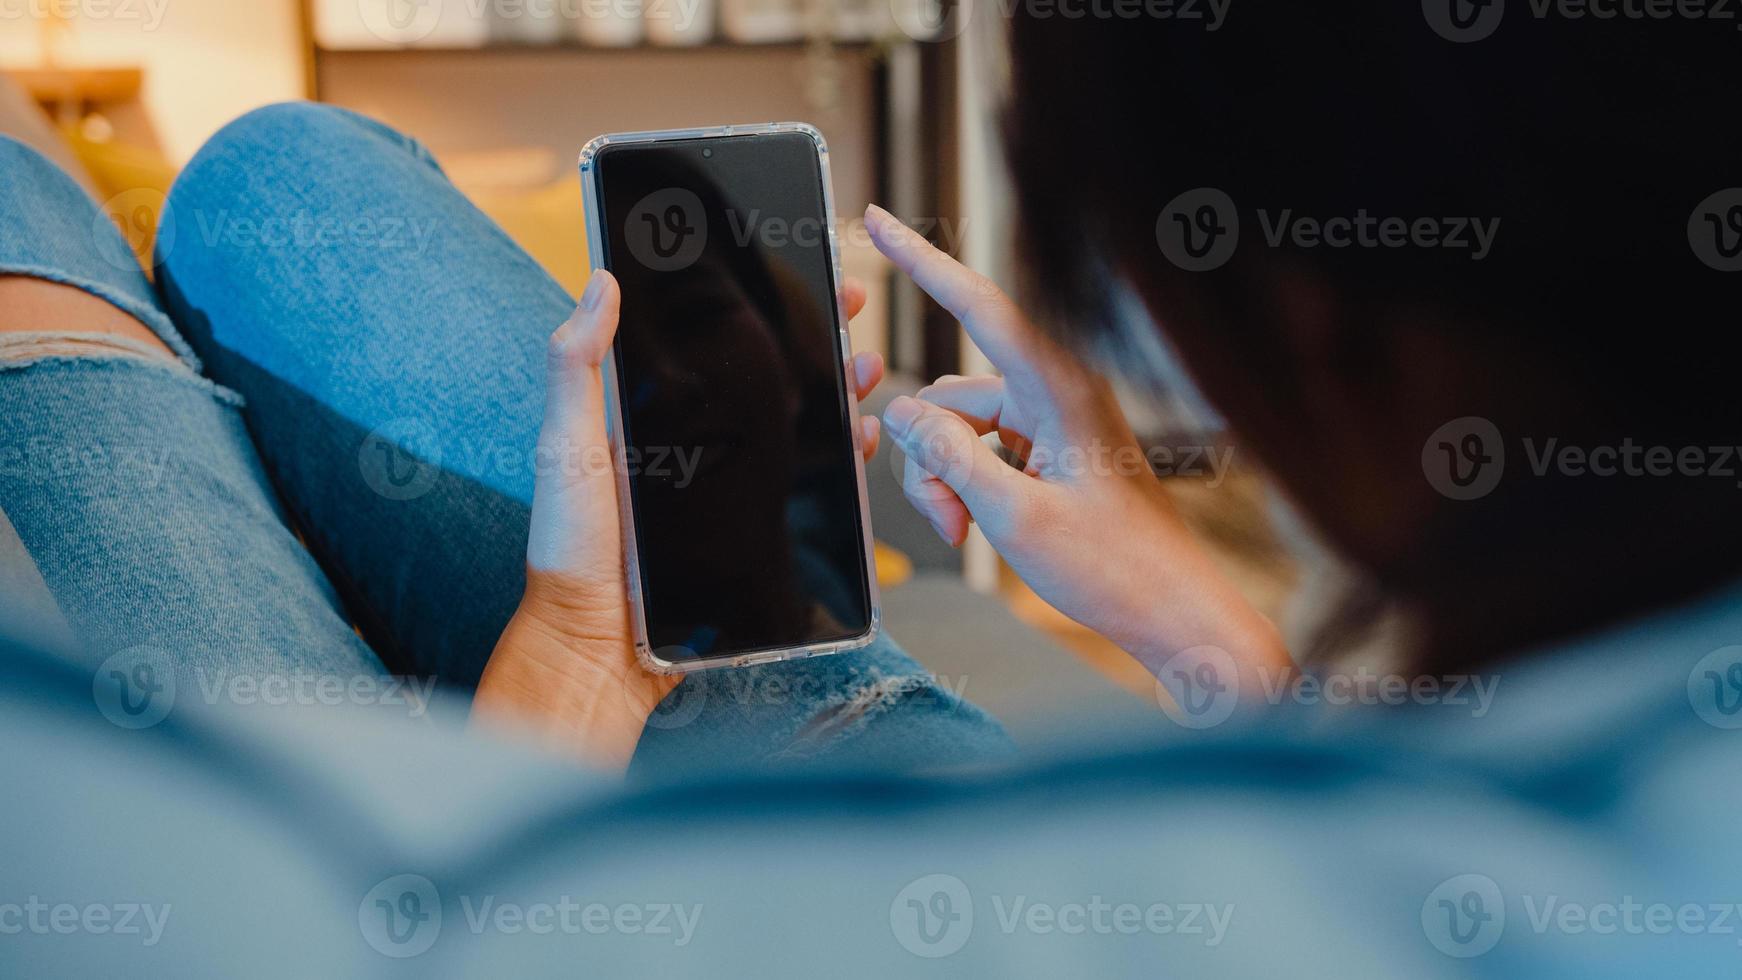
x: 1427, y: 231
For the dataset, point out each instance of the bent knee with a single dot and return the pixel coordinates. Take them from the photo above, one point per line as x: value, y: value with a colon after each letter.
x: 264, y: 173
x: 287, y: 126
x: 287, y: 143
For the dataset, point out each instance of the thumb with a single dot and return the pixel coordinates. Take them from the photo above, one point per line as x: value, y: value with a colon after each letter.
x: 945, y: 446
x: 574, y: 394
x: 574, y: 508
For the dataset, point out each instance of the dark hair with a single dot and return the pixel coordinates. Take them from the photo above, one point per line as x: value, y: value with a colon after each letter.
x: 1592, y: 320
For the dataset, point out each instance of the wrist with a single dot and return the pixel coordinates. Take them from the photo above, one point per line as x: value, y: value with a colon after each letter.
x: 566, y: 675
x: 1247, y: 636
x: 1183, y: 600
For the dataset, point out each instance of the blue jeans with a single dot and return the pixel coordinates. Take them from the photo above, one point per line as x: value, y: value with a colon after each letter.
x: 347, y: 440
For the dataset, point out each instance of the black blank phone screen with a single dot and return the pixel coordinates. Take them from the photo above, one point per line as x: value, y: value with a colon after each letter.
x: 735, y: 410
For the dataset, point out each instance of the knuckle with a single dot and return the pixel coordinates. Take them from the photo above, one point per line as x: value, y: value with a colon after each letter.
x: 945, y: 447
x: 988, y: 297
x: 572, y: 346
x: 943, y: 386
x: 993, y: 308
x: 921, y: 498
x: 556, y: 347
x: 912, y: 479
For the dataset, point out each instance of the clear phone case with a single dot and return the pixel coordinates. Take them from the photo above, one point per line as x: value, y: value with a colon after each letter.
x: 631, y: 559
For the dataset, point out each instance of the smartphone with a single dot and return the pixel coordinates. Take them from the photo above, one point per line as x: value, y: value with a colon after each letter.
x: 747, y: 536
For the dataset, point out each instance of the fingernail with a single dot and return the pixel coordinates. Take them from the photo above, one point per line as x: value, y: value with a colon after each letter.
x: 877, y: 218
x: 595, y: 291
x: 900, y: 415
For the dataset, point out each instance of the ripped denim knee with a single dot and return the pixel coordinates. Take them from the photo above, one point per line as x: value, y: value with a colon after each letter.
x: 28, y: 347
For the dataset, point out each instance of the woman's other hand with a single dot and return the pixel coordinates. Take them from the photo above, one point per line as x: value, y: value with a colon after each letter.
x: 1086, y: 524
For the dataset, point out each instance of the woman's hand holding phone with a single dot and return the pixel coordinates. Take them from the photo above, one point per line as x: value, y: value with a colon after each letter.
x: 565, y: 670
x: 1101, y: 544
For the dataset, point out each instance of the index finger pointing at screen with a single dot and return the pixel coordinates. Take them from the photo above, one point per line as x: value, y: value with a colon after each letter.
x: 989, y: 316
